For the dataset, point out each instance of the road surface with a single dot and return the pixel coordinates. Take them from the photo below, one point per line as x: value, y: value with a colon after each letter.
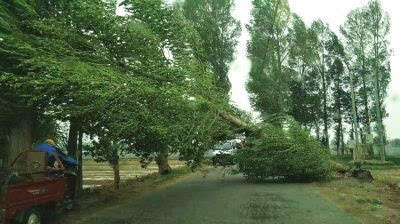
x: 218, y: 198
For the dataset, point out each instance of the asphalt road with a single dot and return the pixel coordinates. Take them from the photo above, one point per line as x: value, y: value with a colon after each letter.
x: 219, y: 198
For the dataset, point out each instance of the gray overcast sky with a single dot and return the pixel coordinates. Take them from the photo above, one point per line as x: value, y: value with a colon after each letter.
x: 334, y: 13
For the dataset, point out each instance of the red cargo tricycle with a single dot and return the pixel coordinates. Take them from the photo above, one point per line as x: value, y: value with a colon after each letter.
x: 30, y: 189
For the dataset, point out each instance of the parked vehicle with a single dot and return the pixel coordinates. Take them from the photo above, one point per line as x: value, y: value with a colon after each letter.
x: 222, y: 152
x: 30, y: 188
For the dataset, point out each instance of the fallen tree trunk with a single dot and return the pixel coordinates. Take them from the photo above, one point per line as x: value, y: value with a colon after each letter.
x: 232, y: 119
x: 340, y: 168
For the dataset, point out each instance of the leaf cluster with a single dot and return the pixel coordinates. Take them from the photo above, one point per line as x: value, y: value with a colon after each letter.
x: 280, y: 148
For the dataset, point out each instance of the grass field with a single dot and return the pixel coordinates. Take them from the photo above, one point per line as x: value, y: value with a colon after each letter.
x: 102, y: 174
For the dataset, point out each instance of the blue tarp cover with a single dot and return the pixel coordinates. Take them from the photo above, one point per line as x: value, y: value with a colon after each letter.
x: 49, y: 148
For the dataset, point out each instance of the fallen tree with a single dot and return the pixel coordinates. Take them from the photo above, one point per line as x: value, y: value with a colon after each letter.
x: 286, y: 151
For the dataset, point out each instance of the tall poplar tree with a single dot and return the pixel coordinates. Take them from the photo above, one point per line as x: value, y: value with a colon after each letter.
x: 358, y: 44
x: 305, y: 97
x: 268, y: 50
x: 366, y: 31
x: 379, y: 27
x: 219, y: 33
x: 323, y: 37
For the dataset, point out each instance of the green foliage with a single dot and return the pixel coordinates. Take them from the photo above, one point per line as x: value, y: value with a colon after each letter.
x: 368, y: 57
x: 219, y: 33
x: 306, y: 97
x: 105, y: 150
x: 280, y: 148
x: 357, y: 41
x: 268, y: 49
x: 139, y: 79
x: 155, y: 80
x: 292, y: 67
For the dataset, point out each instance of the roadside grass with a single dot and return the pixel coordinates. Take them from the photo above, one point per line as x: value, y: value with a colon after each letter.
x: 372, y: 202
x: 95, y: 199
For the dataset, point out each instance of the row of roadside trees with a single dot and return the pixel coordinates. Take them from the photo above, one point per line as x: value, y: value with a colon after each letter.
x: 142, y: 83
x: 153, y: 81
x: 323, y: 80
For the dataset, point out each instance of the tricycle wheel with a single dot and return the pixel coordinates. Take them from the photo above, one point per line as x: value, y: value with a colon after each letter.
x: 32, y: 216
x: 69, y: 205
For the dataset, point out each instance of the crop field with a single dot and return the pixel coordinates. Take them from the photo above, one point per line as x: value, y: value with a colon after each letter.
x: 98, y: 174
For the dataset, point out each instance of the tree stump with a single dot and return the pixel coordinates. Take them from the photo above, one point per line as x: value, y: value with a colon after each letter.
x: 362, y: 175
x: 358, y: 173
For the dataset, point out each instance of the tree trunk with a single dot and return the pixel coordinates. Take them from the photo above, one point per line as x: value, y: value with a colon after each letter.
x: 162, y: 162
x: 370, y: 150
x: 354, y: 112
x: 72, y: 147
x: 20, y: 137
x: 378, y: 98
x: 338, y: 141
x: 340, y: 116
x: 79, y: 176
x: 231, y: 119
x: 117, y: 178
x: 365, y: 102
x: 339, y: 133
x: 358, y: 153
x: 342, y: 141
x: 324, y: 87
x: 317, y: 131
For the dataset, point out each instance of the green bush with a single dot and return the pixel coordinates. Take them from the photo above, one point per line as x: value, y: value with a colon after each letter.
x: 282, y: 149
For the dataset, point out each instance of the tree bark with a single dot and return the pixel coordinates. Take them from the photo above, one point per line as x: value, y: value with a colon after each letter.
x: 231, y: 119
x: 20, y: 137
x: 317, y: 131
x: 79, y: 177
x: 377, y: 96
x: 354, y: 113
x: 342, y: 141
x: 340, y: 117
x: 117, y: 177
x: 162, y: 162
x: 370, y: 150
x: 365, y: 101
x: 324, y: 87
x: 338, y: 141
x: 72, y: 147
